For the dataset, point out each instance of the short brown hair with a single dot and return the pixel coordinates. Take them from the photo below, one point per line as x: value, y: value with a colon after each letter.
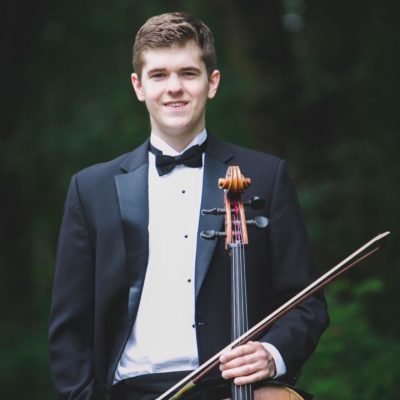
x: 170, y: 29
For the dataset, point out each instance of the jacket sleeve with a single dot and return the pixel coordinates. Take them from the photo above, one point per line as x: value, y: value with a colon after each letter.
x: 293, y: 267
x: 71, y: 316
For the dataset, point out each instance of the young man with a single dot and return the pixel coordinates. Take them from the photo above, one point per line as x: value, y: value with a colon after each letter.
x: 139, y: 299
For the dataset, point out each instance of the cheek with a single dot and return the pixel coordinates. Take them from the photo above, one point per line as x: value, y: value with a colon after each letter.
x: 152, y: 93
x: 197, y: 88
x: 201, y: 94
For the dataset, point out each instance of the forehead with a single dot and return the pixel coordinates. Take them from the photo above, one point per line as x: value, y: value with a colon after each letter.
x: 174, y: 57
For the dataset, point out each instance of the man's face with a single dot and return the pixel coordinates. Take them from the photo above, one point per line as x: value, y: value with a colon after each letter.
x: 175, y: 87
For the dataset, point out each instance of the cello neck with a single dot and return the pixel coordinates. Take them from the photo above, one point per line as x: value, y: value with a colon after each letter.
x: 240, y: 323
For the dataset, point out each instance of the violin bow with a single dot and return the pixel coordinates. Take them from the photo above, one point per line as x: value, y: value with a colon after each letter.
x: 256, y: 331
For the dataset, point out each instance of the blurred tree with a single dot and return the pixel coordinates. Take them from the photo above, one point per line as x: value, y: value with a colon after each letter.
x: 352, y: 362
x: 16, y: 37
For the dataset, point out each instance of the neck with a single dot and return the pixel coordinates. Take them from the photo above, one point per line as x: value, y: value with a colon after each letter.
x: 177, y: 143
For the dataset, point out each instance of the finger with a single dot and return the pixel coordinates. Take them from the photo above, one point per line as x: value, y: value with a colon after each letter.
x: 253, y: 378
x: 235, y: 353
x: 241, y: 361
x: 245, y: 369
x: 239, y: 351
x: 258, y: 354
x: 266, y: 367
x: 239, y: 371
x: 262, y: 372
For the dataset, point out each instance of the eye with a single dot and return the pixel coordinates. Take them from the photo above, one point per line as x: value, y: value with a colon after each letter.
x: 158, y: 75
x: 189, y: 74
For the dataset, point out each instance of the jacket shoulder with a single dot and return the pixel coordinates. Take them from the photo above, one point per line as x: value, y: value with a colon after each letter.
x: 123, y: 163
x: 247, y: 157
x: 102, y: 168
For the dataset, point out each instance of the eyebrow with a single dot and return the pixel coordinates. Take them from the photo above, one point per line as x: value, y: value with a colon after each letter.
x: 190, y: 68
x: 157, y: 70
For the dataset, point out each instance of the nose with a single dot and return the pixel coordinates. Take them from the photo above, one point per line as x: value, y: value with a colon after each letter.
x: 174, y: 84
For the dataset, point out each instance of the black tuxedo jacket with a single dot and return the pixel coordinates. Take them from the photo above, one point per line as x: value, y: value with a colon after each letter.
x: 102, y: 258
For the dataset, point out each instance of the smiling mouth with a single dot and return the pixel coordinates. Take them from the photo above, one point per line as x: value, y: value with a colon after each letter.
x: 176, y: 104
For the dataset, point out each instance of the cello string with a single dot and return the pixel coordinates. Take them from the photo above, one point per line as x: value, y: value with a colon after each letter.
x: 247, y: 389
x: 241, y: 392
x: 236, y: 395
x: 241, y: 273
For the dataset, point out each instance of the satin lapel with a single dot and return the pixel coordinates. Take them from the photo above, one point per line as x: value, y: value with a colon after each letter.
x: 132, y: 189
x: 212, y: 197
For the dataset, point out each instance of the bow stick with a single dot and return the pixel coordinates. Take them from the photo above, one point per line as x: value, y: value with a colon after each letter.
x: 352, y: 260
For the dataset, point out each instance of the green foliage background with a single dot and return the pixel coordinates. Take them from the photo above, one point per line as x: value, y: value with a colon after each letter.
x: 313, y: 82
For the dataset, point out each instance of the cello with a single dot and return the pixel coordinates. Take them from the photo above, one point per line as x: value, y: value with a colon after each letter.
x: 236, y: 237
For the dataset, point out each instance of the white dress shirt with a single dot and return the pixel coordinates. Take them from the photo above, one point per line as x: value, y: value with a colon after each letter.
x: 163, y: 338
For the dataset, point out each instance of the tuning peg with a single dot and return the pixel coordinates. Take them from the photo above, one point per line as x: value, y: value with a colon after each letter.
x: 211, y: 235
x: 255, y: 203
x: 213, y: 211
x: 259, y: 222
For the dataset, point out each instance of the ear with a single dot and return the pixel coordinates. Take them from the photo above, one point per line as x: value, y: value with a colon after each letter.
x: 213, y: 83
x: 137, y: 86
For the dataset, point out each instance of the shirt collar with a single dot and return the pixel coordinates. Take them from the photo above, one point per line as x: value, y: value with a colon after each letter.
x: 166, y: 149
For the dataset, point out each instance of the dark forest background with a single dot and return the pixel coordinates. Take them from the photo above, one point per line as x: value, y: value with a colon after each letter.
x: 314, y: 82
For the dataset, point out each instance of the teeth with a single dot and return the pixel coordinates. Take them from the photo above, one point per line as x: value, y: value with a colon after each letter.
x: 175, y: 104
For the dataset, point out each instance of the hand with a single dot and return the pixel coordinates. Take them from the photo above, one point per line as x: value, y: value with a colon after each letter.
x: 247, y: 363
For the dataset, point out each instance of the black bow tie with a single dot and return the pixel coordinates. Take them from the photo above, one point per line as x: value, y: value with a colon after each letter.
x: 192, y: 158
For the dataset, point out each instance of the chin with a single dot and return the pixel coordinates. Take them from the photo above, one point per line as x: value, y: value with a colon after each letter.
x: 178, y: 130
